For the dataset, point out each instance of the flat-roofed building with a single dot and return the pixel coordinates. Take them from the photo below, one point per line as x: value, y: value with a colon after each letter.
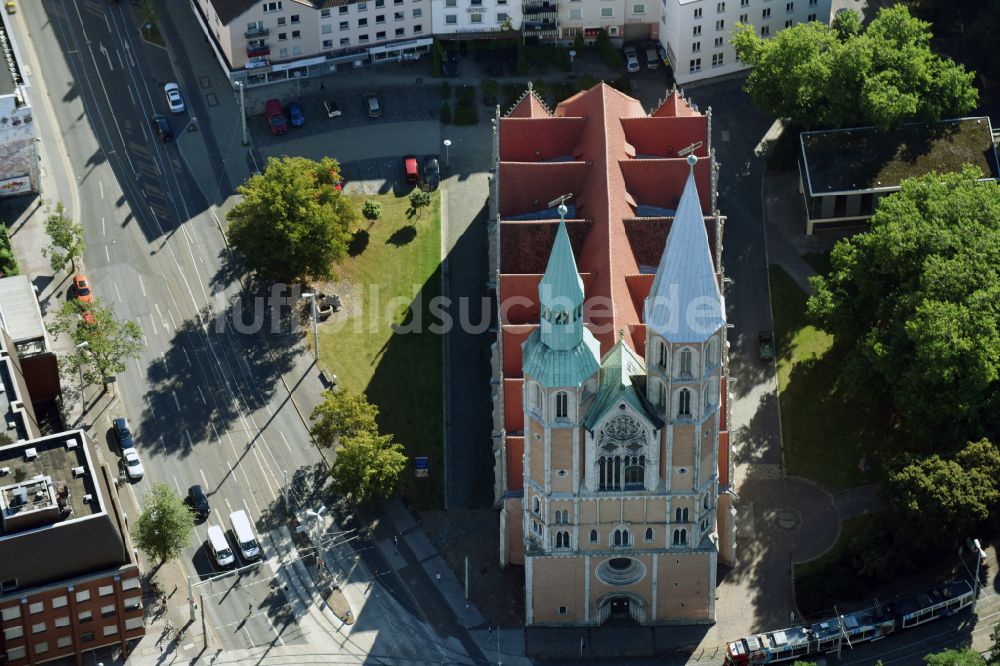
x: 844, y: 172
x: 69, y: 581
x: 18, y: 149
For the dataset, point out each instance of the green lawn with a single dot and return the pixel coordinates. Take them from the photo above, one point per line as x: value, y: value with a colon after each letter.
x: 831, y: 578
x: 394, y: 268
x: 824, y: 434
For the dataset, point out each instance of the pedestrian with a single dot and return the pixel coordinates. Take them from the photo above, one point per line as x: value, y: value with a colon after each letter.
x: 250, y: 609
x: 437, y: 577
x: 395, y: 540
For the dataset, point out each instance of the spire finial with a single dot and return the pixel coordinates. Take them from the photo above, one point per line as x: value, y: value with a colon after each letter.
x: 531, y: 86
x: 562, y: 211
x: 692, y: 160
x: 621, y: 334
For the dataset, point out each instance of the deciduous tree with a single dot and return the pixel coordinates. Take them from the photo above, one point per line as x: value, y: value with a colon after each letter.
x: 110, y: 343
x: 933, y: 491
x: 67, y: 239
x: 885, y: 75
x: 995, y: 650
x: 368, y: 466
x: 293, y: 222
x: 419, y: 200
x: 165, y: 524
x: 915, y: 301
x: 372, y: 210
x: 966, y: 657
x: 342, y: 414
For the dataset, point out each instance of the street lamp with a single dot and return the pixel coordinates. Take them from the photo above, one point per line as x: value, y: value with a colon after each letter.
x: 79, y: 365
x: 980, y: 556
x: 447, y: 157
x: 572, y: 54
x: 243, y: 112
x: 311, y: 295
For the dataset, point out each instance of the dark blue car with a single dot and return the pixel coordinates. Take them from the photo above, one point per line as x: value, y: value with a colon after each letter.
x: 122, y: 434
x: 295, y: 115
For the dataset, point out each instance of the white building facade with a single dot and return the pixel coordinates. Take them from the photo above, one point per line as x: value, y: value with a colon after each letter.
x: 457, y: 19
x: 696, y: 33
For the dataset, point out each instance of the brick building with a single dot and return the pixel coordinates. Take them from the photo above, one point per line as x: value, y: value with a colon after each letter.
x: 69, y: 581
x: 611, y: 367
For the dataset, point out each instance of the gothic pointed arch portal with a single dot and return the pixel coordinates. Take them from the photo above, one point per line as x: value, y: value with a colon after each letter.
x: 622, y: 454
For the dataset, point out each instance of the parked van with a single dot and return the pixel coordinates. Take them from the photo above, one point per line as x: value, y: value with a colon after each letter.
x: 221, y: 551
x: 245, y: 538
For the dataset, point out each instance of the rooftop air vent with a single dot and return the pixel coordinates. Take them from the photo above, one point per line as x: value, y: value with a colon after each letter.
x: 30, y: 454
x: 88, y: 498
x: 71, y: 444
x: 4, y: 471
x: 78, y: 471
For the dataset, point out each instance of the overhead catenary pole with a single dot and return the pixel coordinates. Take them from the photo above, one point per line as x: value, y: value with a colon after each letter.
x: 980, y: 556
x: 243, y: 113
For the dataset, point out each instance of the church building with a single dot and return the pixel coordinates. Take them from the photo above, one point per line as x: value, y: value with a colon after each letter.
x: 611, y: 410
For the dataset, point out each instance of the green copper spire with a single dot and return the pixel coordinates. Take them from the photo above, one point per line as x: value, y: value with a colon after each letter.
x: 561, y: 294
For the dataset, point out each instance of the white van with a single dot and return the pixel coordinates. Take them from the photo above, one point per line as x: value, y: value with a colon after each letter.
x: 221, y: 551
x: 243, y: 531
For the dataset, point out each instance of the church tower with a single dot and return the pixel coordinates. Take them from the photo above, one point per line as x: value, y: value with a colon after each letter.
x: 686, y: 328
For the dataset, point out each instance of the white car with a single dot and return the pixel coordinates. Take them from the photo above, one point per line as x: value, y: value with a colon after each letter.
x: 631, y: 59
x: 174, y: 98
x: 133, y: 465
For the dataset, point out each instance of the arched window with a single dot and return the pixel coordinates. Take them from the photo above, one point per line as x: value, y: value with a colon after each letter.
x: 684, y: 403
x: 704, y: 502
x: 537, y: 399
x: 635, y: 472
x: 611, y: 472
x: 662, y: 357
x: 536, y: 505
x: 562, y: 539
x: 685, y: 370
x: 649, y: 534
x: 621, y: 537
x: 565, y: 517
x: 680, y: 537
x: 711, y: 353
x: 680, y: 515
x: 661, y: 396
x: 562, y: 405
x: 593, y: 536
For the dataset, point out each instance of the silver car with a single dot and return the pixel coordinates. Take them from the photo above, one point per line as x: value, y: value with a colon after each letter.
x: 631, y: 59
x: 175, y: 101
x: 133, y: 465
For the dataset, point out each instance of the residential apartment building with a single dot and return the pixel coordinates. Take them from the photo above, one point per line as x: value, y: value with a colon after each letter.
x: 267, y: 41
x: 18, y: 147
x: 696, y: 33
x: 611, y: 407
x: 473, y: 19
x: 622, y: 19
x: 70, y: 582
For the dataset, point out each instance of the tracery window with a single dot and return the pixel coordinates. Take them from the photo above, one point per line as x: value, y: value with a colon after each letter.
x: 622, y: 444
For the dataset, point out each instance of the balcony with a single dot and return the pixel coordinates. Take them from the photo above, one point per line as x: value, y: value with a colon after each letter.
x: 540, y: 10
x: 540, y: 27
x: 255, y: 33
x: 258, y: 50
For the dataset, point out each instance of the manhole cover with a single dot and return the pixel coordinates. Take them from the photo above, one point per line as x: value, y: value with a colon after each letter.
x: 788, y: 520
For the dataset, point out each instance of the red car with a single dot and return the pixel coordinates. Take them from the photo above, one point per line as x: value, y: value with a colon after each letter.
x: 412, y: 171
x: 81, y: 288
x: 275, y: 117
x: 88, y: 318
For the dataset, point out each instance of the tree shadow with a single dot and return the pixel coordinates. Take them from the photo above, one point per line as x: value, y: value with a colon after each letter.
x: 402, y: 236
x: 231, y: 269
x: 359, y: 243
x: 225, y: 362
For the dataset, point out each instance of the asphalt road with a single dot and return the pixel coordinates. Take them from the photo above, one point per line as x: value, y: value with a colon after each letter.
x: 205, y: 399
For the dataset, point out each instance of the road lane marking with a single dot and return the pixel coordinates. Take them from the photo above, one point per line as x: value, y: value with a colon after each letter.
x: 175, y: 478
x: 170, y: 313
x: 204, y: 402
x: 186, y: 356
x: 142, y: 286
x: 203, y: 477
x: 138, y: 369
x: 285, y: 440
x: 103, y: 230
x: 100, y: 187
x: 160, y: 314
x: 165, y: 368
x: 228, y: 505
x: 148, y: 403
x: 176, y: 401
x: 107, y: 253
x: 131, y: 96
x: 117, y: 293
